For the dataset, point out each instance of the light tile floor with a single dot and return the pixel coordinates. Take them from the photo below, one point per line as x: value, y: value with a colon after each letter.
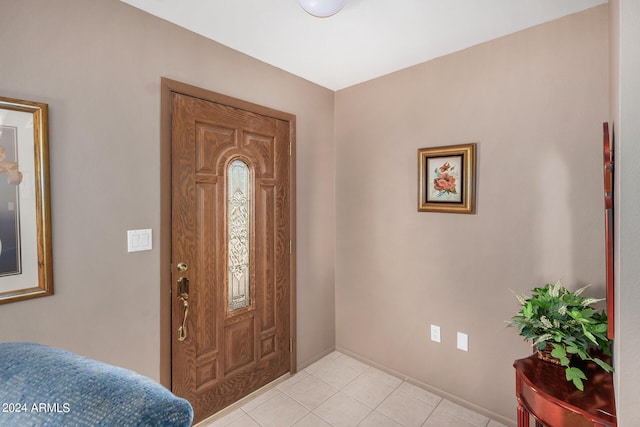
x: 340, y: 391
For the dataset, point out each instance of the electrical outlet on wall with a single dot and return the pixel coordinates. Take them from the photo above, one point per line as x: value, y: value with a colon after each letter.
x: 435, y: 333
x: 463, y: 341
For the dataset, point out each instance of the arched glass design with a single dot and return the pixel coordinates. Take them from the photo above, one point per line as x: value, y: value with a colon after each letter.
x: 238, y: 209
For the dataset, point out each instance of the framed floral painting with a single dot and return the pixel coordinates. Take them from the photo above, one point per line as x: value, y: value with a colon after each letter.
x: 25, y: 224
x: 447, y: 179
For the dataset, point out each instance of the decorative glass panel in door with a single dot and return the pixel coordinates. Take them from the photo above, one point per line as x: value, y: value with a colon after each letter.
x: 238, y: 208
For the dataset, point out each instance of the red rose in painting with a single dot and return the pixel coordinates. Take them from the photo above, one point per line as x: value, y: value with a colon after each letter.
x: 445, y: 182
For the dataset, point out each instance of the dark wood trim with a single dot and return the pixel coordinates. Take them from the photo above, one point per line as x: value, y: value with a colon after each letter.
x: 165, y: 233
x: 196, y: 92
x: 609, y: 226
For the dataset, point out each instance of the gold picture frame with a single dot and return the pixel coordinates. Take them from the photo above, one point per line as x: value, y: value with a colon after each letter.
x: 26, y: 267
x: 447, y: 179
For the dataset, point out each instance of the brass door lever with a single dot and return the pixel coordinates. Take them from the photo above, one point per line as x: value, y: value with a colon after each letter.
x: 183, y: 295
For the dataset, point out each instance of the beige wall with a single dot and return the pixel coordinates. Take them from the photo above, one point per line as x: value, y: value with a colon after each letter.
x: 625, y: 110
x: 534, y: 102
x: 98, y: 65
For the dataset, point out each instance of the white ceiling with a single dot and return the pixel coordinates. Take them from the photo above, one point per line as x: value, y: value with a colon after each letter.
x: 366, y: 39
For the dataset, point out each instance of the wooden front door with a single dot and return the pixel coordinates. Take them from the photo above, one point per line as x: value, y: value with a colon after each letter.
x: 231, y: 251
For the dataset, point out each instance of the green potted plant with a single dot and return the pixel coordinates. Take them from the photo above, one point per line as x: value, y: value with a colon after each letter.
x: 566, y: 324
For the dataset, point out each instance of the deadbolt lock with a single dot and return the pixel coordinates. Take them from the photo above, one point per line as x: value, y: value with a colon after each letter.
x: 182, y: 267
x: 183, y: 286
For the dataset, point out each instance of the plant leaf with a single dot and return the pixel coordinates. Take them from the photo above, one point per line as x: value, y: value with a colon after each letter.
x: 572, y: 349
x: 558, y: 351
x: 527, y: 310
x: 581, y: 290
x: 603, y: 365
x: 601, y: 328
x: 576, y: 376
x: 589, y: 335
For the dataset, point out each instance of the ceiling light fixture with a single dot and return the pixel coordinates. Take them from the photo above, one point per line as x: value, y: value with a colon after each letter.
x: 321, y: 8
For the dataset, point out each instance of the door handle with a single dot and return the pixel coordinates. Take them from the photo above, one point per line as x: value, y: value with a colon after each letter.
x: 182, y: 330
x: 183, y: 295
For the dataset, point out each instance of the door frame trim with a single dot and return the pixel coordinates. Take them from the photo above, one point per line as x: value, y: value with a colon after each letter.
x: 167, y: 87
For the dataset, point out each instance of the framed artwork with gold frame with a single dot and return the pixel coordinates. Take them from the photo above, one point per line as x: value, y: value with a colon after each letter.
x: 447, y: 179
x: 26, y: 269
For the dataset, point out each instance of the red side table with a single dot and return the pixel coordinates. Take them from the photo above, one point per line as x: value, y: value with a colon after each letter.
x: 543, y: 391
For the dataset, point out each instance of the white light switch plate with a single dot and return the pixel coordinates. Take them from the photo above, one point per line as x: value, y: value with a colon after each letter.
x: 139, y: 240
x: 463, y: 341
